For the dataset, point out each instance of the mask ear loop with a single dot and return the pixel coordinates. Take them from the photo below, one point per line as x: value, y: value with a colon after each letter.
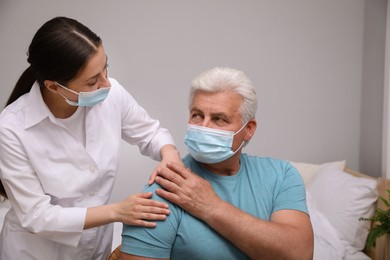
x: 70, y: 102
x: 71, y: 90
x: 243, y: 144
x: 240, y: 128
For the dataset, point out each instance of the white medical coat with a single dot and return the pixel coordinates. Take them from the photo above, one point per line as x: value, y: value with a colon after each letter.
x: 51, y: 178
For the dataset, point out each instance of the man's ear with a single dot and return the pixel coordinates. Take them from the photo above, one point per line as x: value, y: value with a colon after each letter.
x: 250, y: 129
x: 51, y: 85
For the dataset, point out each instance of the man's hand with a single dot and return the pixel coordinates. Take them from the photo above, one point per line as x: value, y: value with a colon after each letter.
x: 187, y: 190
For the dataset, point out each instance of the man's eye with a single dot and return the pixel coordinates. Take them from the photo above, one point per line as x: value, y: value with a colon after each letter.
x: 220, y: 121
x: 196, y: 117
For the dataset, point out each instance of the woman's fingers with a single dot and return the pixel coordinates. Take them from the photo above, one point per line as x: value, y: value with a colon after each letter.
x: 141, y: 210
x: 152, y: 177
x: 144, y: 203
x: 143, y: 223
x: 146, y: 195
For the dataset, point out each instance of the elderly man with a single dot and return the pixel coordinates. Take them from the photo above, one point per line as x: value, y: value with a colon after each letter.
x: 225, y: 204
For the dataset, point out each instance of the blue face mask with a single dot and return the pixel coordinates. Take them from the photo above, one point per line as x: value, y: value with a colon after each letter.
x: 209, y: 145
x: 87, y: 99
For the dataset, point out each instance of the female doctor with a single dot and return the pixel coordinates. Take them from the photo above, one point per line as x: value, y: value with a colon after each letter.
x: 59, y: 149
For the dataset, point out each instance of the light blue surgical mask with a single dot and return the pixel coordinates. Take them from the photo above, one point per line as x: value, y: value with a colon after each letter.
x: 210, y: 145
x: 87, y: 99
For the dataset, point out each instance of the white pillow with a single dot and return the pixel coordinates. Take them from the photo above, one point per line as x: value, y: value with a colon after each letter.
x: 308, y: 170
x: 343, y: 199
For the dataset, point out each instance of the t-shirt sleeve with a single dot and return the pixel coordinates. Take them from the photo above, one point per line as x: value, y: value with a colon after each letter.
x: 291, y: 192
x: 152, y: 242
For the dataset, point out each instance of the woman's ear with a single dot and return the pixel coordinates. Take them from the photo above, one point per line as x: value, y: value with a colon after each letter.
x: 51, y: 85
x: 250, y: 129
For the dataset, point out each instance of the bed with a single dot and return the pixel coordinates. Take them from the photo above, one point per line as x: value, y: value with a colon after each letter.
x: 336, y: 197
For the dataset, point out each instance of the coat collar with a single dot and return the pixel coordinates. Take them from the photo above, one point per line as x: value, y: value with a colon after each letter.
x: 36, y: 109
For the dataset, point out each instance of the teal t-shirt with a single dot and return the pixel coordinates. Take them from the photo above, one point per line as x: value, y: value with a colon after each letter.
x: 261, y: 187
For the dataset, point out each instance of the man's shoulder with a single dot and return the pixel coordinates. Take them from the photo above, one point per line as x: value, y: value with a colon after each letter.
x: 253, y: 160
x: 266, y: 164
x: 263, y: 160
x: 189, y: 162
x: 152, y: 188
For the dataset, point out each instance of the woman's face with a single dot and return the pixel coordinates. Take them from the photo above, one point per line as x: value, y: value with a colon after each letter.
x: 93, y: 76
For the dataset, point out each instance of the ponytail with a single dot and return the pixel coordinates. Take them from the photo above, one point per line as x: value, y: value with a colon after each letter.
x: 23, y: 85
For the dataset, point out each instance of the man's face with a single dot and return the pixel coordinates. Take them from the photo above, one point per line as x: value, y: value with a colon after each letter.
x: 220, y: 111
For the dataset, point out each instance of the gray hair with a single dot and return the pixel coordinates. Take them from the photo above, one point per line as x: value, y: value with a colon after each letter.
x: 221, y: 79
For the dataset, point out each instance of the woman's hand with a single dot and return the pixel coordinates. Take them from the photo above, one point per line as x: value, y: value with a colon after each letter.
x: 139, y: 210
x: 136, y: 210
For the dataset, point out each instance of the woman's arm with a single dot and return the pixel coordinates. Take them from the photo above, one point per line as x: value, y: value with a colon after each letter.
x: 168, y: 153
x: 135, y: 210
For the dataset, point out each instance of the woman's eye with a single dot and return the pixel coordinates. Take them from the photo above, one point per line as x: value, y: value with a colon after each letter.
x: 91, y: 83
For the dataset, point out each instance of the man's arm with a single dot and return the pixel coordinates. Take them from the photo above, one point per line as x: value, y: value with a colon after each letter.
x: 288, y: 235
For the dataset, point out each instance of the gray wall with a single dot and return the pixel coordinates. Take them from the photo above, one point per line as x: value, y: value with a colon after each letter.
x: 305, y: 58
x: 370, y: 159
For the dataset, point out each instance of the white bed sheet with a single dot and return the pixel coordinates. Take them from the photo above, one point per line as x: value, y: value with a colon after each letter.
x: 327, y: 244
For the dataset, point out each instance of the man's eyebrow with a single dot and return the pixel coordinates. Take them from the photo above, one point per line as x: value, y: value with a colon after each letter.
x: 219, y: 115
x: 195, y: 109
x: 215, y: 114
